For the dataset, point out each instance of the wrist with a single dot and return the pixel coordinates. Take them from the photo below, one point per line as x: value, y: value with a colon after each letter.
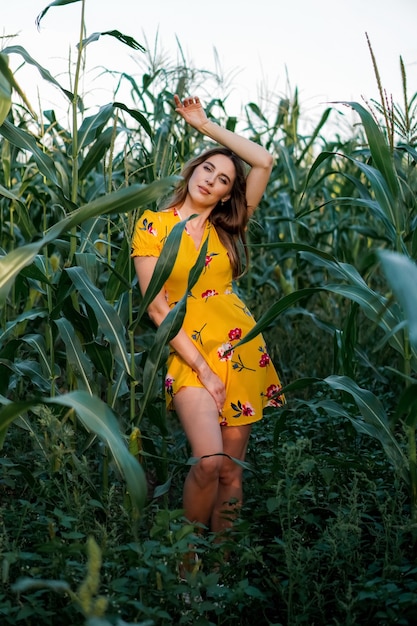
x: 207, y: 127
x: 201, y: 367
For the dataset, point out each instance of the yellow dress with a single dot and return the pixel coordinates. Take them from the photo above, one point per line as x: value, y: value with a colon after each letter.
x: 216, y: 319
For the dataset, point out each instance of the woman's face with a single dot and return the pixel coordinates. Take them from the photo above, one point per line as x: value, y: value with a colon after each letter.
x: 212, y: 180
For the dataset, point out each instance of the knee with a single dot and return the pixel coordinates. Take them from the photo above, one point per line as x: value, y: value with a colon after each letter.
x: 230, y: 473
x: 208, y: 468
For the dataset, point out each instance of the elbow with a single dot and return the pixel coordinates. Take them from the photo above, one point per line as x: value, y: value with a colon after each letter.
x: 155, y: 314
x: 152, y: 316
x: 268, y: 162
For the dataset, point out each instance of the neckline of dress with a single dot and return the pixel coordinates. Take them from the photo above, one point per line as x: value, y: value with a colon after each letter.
x: 184, y: 218
x: 188, y: 232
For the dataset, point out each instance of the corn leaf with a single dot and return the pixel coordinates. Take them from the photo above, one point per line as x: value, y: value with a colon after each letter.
x: 270, y: 316
x: 374, y: 421
x: 5, y: 88
x: 32, y: 370
x: 381, y: 155
x: 163, y: 267
x: 76, y: 358
x: 107, y: 318
x: 11, y: 325
x: 121, y: 201
x: 25, y: 141
x: 96, y: 152
x: 401, y: 273
x: 98, y: 418
x: 56, y: 3
x: 383, y: 194
x: 173, y: 321
x: 12, y: 263
x: 137, y: 116
x: 374, y: 307
x: 126, y: 39
x: 93, y: 125
x: 38, y: 343
x: 46, y: 75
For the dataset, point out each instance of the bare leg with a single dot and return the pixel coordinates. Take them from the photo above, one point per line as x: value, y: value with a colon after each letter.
x: 198, y: 414
x: 229, y: 493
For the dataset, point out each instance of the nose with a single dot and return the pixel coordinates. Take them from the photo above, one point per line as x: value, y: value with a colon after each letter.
x: 209, y: 180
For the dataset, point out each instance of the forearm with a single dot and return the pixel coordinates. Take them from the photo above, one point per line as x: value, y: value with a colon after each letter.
x: 186, y: 349
x: 182, y: 344
x: 252, y: 153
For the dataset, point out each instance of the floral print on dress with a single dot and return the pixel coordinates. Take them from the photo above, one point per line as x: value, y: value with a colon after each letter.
x: 149, y: 227
x: 168, y: 385
x: 235, y: 334
x: 209, y: 293
x: 274, y: 397
x: 245, y: 310
x: 240, y: 366
x: 265, y: 358
x: 209, y: 258
x: 242, y: 408
x: 225, y: 352
x: 223, y: 421
x: 197, y: 334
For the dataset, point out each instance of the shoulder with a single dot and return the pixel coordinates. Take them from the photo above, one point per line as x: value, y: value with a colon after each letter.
x: 169, y: 215
x: 151, y: 231
x: 166, y: 217
x: 161, y: 218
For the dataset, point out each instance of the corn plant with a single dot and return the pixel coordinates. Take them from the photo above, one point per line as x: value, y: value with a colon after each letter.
x: 51, y: 269
x: 72, y: 316
x: 382, y: 199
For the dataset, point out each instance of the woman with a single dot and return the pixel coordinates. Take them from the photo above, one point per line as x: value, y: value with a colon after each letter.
x: 217, y: 391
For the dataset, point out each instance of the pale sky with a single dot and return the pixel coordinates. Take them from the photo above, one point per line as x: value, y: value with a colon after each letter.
x: 318, y: 46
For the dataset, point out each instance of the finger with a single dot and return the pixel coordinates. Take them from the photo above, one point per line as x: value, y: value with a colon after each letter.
x: 219, y: 400
x: 177, y: 101
x: 191, y: 101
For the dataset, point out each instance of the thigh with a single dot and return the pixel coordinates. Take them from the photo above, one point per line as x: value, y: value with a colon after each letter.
x: 199, y: 418
x: 235, y: 440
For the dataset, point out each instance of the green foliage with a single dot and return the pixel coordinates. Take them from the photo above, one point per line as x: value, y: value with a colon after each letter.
x: 5, y: 88
x: 90, y: 526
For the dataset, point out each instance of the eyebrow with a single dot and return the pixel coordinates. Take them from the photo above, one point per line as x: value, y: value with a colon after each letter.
x: 221, y: 173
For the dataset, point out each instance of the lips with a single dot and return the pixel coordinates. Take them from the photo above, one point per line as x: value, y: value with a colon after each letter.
x: 204, y: 190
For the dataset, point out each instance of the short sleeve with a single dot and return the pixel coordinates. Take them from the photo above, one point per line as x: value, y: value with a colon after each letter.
x: 146, y: 239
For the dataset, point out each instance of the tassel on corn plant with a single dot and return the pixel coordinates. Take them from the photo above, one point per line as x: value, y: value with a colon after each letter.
x: 91, y: 604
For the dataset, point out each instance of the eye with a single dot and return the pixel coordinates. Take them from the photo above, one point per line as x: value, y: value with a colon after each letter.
x: 223, y: 180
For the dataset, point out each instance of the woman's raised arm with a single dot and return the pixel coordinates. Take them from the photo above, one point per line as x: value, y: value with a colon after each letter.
x: 259, y: 159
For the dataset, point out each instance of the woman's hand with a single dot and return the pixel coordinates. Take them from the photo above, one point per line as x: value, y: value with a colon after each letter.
x: 191, y: 110
x: 214, y: 386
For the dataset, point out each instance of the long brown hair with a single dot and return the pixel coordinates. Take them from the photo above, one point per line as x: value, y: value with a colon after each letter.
x: 230, y: 218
